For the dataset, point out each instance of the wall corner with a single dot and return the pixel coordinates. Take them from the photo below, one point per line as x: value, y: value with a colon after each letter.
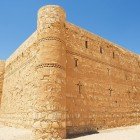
x: 50, y: 104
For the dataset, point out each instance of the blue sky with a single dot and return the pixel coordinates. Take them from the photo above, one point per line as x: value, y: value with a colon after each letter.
x: 115, y: 20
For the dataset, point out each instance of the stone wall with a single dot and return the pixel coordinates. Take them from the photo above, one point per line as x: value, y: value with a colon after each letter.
x: 2, y: 66
x: 64, y: 80
x: 19, y: 85
x: 50, y: 106
x: 103, y: 83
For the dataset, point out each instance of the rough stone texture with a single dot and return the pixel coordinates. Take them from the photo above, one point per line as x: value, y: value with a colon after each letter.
x: 103, y: 90
x: 50, y: 104
x: 64, y: 80
x: 19, y: 85
x: 2, y: 68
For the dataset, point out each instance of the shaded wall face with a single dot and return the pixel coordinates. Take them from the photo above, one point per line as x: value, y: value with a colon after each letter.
x: 103, y: 90
x: 2, y: 67
x: 19, y: 89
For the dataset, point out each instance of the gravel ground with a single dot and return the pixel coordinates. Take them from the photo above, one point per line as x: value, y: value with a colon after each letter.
x: 124, y: 133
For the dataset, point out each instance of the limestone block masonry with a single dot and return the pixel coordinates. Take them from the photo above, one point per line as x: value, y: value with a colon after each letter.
x: 64, y: 81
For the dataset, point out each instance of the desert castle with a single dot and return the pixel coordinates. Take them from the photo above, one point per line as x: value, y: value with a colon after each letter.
x: 64, y: 81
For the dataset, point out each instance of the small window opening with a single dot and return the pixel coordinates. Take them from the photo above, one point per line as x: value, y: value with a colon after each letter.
x: 128, y: 91
x: 86, y: 44
x: 139, y: 64
x: 64, y: 25
x: 49, y: 26
x: 126, y: 77
x: 110, y: 91
x: 101, y: 50
x: 108, y: 70
x: 76, y: 62
x: 113, y: 55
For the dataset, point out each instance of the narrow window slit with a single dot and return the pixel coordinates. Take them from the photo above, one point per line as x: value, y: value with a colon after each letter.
x: 86, y: 44
x: 113, y: 55
x: 101, y: 50
x: 79, y: 86
x: 76, y: 62
x: 126, y: 77
x: 108, y: 71
x: 139, y: 64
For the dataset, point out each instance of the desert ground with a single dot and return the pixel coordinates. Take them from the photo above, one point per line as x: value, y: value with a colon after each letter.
x: 123, y: 133
x: 9, y: 133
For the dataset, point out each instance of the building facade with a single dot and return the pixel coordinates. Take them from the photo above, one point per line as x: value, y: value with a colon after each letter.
x: 64, y: 80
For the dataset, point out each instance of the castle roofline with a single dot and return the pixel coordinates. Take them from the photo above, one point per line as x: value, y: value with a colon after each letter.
x: 52, y: 6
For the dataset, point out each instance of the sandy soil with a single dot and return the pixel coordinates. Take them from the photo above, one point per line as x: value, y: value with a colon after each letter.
x: 124, y: 133
x: 9, y: 133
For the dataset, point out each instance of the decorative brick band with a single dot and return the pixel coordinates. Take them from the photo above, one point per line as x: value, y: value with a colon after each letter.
x: 51, y: 38
x: 55, y: 65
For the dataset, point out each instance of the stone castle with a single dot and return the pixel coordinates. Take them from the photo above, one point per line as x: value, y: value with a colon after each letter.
x: 64, y: 81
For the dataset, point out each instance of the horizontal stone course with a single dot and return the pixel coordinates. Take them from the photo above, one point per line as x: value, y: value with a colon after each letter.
x: 64, y: 80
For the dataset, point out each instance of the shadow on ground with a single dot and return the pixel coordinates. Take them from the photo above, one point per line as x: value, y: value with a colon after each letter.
x: 71, y: 136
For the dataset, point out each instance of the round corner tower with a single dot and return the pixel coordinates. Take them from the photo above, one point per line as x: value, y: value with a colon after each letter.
x: 51, y: 16
x: 50, y: 104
